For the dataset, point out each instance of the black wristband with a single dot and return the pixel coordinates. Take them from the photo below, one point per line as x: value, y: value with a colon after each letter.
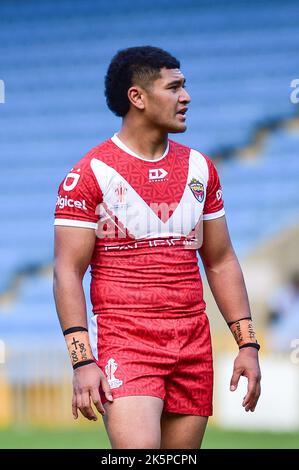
x: 74, y: 329
x: 82, y: 363
x: 250, y: 345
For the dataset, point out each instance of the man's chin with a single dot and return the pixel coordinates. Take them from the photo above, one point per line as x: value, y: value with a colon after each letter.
x: 177, y: 129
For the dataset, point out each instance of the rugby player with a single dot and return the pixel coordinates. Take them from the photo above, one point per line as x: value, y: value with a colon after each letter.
x: 138, y: 208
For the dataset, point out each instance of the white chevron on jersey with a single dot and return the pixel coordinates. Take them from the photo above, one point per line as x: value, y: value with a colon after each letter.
x: 137, y: 216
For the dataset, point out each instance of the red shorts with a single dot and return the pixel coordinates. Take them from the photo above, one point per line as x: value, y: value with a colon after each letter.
x: 166, y: 358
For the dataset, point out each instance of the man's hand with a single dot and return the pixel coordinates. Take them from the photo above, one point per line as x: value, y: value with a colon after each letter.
x: 86, y: 383
x: 247, y: 364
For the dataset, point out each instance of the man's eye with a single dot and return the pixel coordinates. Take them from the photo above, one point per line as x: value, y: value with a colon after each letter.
x: 176, y: 87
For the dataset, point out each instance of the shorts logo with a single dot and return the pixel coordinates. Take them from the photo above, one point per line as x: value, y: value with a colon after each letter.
x: 219, y: 194
x: 197, y: 189
x: 110, y: 370
x: 71, y: 181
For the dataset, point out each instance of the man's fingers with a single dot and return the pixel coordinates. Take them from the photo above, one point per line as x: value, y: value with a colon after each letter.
x: 235, y: 379
x: 74, y: 407
x: 83, y: 403
x: 95, y: 396
x: 106, y: 389
x: 255, y: 398
x: 249, y: 400
x: 253, y: 393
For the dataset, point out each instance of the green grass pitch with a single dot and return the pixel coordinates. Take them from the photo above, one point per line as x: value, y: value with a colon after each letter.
x: 96, y: 438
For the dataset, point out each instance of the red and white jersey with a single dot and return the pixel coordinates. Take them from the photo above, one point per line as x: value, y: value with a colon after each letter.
x: 148, y: 219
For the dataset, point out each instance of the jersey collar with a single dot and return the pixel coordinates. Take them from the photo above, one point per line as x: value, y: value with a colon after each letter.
x: 116, y: 140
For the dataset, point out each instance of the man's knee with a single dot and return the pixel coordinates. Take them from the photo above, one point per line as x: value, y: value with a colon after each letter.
x: 182, y: 431
x: 145, y: 442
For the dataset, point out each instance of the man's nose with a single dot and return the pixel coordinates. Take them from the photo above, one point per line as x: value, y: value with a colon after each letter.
x: 185, y: 97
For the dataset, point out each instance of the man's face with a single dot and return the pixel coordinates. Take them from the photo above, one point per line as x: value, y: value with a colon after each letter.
x: 166, y: 101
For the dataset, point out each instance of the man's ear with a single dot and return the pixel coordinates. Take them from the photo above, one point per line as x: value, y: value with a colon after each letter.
x: 136, y: 96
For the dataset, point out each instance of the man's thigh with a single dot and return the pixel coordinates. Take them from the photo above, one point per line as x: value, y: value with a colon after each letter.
x: 133, y: 422
x: 180, y: 431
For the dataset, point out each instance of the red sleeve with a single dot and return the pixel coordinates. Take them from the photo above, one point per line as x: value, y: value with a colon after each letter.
x: 213, y: 207
x: 78, y: 197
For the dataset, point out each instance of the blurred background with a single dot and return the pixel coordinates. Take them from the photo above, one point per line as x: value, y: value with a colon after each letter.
x: 241, y: 63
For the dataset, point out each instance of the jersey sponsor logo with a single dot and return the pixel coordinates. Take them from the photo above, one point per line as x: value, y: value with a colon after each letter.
x: 64, y: 201
x: 71, y: 180
x: 110, y: 370
x: 197, y: 189
x: 191, y: 242
x: 157, y: 174
x: 219, y: 194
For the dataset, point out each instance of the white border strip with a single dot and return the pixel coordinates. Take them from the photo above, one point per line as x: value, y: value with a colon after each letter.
x: 93, y: 335
x: 75, y: 223
x: 214, y: 215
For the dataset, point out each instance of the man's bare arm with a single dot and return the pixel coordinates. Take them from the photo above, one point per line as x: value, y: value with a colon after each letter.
x: 223, y: 270
x: 73, y: 251
x: 227, y: 284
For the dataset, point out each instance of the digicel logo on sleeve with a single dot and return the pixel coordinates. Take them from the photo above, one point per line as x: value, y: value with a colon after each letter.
x: 66, y: 202
x: 71, y: 180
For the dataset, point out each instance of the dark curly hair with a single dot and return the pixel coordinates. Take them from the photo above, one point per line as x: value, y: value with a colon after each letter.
x: 141, y: 63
